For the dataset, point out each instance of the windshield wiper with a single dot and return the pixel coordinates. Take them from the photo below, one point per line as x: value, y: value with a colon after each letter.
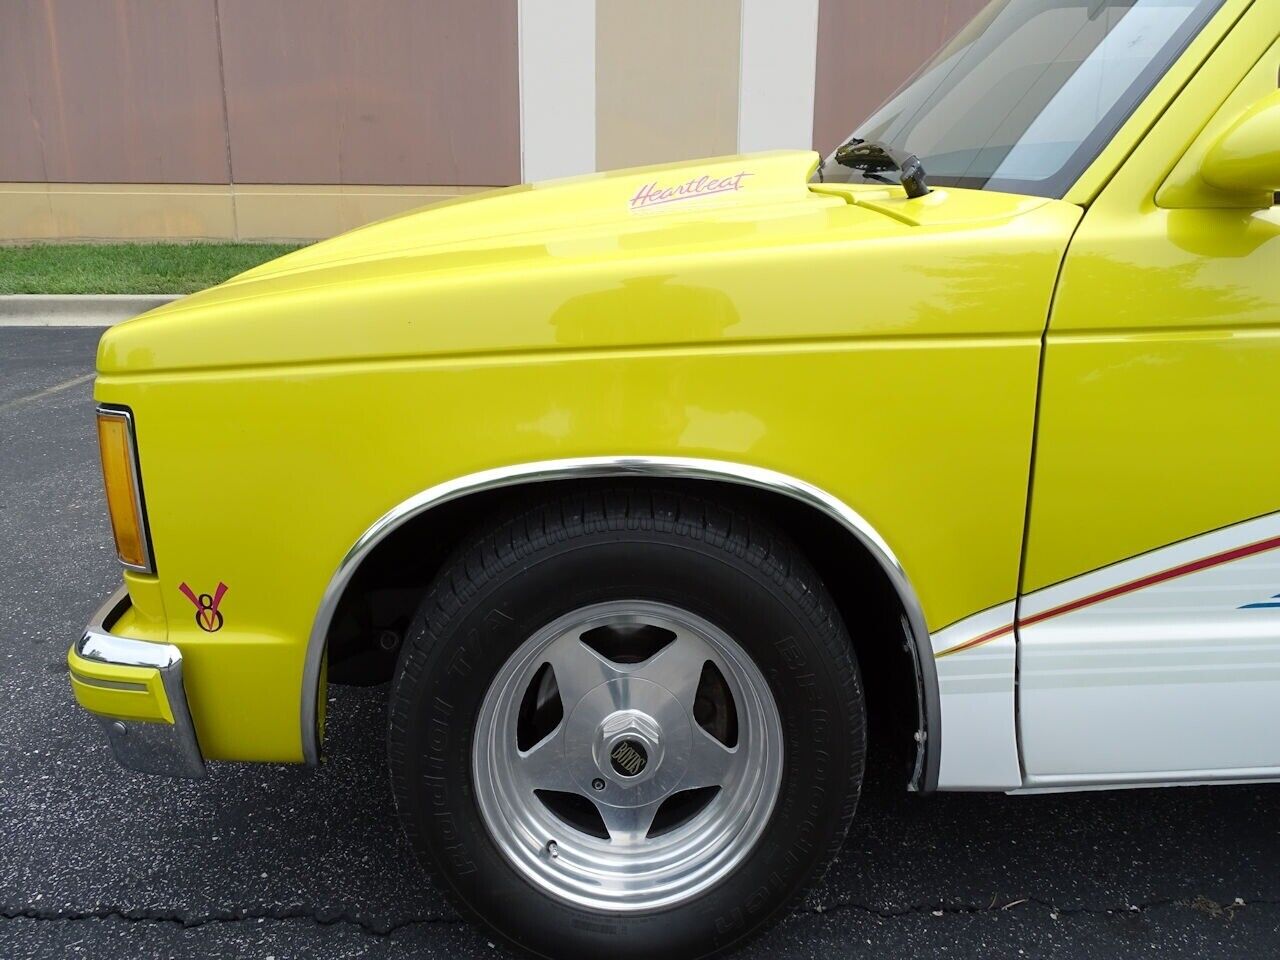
x: 873, y: 158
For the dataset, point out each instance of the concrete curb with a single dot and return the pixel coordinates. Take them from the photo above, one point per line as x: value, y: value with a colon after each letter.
x: 97, y: 310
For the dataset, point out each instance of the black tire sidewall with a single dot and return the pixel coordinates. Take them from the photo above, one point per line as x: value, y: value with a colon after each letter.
x: 780, y: 623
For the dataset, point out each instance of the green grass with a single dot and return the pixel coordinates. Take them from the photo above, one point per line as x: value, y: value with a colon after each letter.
x: 128, y: 267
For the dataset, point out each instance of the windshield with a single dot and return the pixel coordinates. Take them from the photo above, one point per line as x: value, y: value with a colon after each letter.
x: 1027, y: 95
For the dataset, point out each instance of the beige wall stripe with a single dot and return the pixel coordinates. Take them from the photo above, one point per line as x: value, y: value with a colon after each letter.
x: 174, y: 211
x: 666, y: 80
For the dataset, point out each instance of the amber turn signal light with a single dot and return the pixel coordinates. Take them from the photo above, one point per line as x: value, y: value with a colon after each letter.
x: 124, y: 498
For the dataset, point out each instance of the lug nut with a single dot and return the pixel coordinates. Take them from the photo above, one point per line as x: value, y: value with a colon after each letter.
x: 552, y: 850
x: 597, y: 784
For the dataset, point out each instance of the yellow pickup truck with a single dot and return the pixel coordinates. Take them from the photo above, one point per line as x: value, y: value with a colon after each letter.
x: 654, y: 494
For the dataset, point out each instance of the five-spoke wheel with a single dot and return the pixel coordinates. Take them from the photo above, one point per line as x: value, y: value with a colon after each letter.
x: 627, y: 755
x: 626, y: 723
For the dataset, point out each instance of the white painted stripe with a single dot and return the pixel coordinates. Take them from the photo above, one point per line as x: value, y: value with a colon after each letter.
x: 1151, y: 563
x: 975, y: 625
x: 557, y: 88
x: 777, y: 68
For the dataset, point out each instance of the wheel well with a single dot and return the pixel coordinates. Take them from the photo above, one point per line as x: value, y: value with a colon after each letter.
x: 379, y: 601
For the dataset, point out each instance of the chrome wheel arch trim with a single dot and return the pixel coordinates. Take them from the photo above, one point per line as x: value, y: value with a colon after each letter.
x: 925, y: 776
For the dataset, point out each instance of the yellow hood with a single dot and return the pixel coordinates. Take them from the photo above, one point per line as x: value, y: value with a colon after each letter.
x: 634, y: 258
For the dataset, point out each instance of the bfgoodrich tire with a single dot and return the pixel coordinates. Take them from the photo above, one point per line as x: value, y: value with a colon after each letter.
x: 626, y: 723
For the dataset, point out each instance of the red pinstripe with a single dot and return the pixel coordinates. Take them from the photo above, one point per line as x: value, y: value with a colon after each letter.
x: 1193, y: 566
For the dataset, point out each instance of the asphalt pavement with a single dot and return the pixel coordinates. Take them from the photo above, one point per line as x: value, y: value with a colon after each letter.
x: 283, y: 862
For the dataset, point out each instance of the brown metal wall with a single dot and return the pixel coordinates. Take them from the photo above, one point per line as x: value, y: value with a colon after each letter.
x: 316, y: 91
x: 122, y: 92
x: 382, y: 91
x: 340, y: 91
x: 867, y: 49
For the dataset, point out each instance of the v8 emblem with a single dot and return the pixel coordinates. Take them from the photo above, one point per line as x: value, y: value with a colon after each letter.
x: 208, y: 617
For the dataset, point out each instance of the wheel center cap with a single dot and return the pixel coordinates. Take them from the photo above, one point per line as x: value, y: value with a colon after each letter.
x: 627, y: 742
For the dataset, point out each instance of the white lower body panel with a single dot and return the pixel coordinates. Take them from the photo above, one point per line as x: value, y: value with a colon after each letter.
x: 1160, y: 669
x: 976, y: 688
x: 1165, y: 667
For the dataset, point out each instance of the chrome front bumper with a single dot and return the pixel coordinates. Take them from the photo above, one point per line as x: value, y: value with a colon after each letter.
x: 135, y: 689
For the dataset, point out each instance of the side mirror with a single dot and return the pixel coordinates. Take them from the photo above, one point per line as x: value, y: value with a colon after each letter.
x: 1246, y: 158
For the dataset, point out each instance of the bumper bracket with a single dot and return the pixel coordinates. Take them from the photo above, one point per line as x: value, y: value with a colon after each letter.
x: 135, y: 689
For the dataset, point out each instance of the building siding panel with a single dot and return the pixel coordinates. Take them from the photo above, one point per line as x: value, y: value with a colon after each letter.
x: 380, y: 92
x: 123, y: 92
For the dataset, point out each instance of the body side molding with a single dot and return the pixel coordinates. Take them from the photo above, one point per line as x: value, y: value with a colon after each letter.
x: 925, y: 776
